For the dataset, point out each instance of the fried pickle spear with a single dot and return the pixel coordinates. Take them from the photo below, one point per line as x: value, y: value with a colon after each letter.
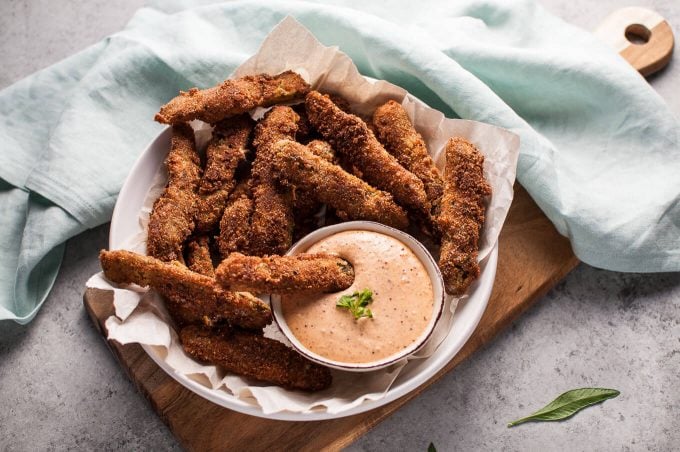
x: 225, y: 152
x: 172, y: 216
x: 403, y: 141
x: 271, y: 230
x: 198, y: 256
x: 233, y: 97
x: 349, y: 135
x: 235, y: 222
x: 319, y: 272
x: 462, y: 214
x: 322, y: 149
x: 340, y: 102
x: 305, y: 132
x: 352, y: 198
x: 258, y: 357
x: 194, y: 298
x: 305, y: 205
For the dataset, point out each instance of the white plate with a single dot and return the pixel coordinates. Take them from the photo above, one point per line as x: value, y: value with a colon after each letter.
x: 125, y: 224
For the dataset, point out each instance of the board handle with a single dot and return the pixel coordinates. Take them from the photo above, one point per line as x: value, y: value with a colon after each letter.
x: 641, y: 36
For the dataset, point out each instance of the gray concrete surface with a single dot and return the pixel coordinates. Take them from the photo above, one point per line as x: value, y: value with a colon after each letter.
x: 61, y: 389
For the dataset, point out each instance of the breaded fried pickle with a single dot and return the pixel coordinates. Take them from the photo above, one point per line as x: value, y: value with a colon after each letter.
x: 255, y: 356
x: 462, y: 214
x: 352, y: 198
x: 198, y: 256
x: 320, y: 272
x: 304, y: 132
x: 322, y: 149
x: 305, y: 205
x: 193, y: 297
x: 401, y: 139
x: 232, y: 97
x: 340, y: 102
x: 271, y: 229
x: 349, y: 135
x: 172, y: 216
x: 235, y: 222
x: 225, y: 152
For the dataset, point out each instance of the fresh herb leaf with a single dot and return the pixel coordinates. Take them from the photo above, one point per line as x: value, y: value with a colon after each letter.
x: 356, y: 303
x: 568, y: 404
x: 431, y: 448
x: 365, y: 297
x: 344, y: 302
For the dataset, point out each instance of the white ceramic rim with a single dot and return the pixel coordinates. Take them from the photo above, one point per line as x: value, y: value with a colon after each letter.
x: 468, y: 313
x: 418, y: 249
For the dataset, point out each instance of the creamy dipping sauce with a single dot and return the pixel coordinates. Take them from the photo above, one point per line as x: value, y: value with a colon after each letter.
x: 402, y: 305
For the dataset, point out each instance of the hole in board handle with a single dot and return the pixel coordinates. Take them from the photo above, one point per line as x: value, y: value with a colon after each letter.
x: 638, y: 34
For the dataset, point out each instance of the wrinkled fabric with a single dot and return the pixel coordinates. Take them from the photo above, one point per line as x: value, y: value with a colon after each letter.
x: 600, y: 150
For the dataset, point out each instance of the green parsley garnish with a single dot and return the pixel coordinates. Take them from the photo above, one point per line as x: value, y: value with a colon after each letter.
x: 356, y: 303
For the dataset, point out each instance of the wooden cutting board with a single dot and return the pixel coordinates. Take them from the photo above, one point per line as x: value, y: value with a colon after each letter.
x: 533, y: 257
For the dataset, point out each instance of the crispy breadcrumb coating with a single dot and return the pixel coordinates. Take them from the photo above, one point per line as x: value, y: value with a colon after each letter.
x: 254, y: 356
x: 172, y: 216
x: 193, y: 298
x: 462, y: 214
x: 233, y: 97
x: 235, y: 223
x: 271, y: 230
x: 340, y: 102
x: 396, y: 132
x: 305, y: 205
x: 320, y: 272
x: 349, y: 135
x: 305, y: 132
x: 322, y: 149
x: 351, y: 197
x: 198, y: 256
x: 225, y: 152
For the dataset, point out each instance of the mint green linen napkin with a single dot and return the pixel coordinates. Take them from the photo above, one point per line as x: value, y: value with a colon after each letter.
x: 599, y: 148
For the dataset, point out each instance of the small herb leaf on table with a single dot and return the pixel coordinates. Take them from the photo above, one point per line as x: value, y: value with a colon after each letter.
x: 568, y: 404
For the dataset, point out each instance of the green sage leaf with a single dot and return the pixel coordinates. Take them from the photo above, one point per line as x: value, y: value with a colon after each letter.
x: 568, y: 404
x: 431, y: 448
